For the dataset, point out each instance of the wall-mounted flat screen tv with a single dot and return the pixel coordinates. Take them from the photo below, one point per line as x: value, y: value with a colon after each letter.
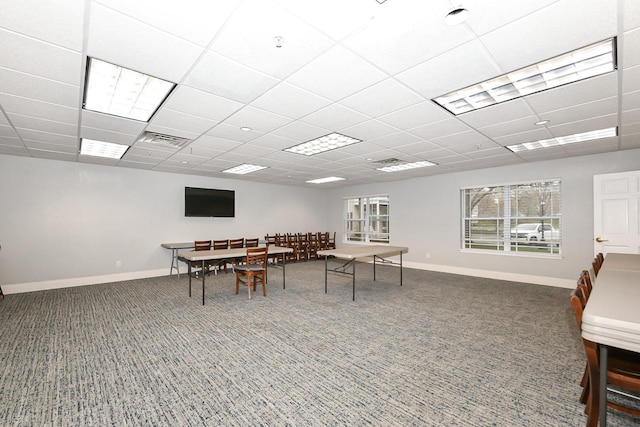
x: 209, y: 202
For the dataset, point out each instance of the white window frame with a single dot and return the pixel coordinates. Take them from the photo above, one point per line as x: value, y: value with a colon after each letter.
x: 505, y: 237
x: 372, y: 232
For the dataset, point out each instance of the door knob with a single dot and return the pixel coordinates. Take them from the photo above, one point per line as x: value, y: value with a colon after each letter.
x: 600, y: 240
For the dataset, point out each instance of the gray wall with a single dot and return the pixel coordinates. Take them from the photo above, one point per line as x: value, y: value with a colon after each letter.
x: 61, y: 220
x: 425, y: 216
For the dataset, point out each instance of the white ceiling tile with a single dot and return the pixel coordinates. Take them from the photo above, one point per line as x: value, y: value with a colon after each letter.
x: 335, y: 117
x: 202, y: 104
x: 290, y: 101
x: 34, y: 108
x: 176, y: 120
x: 258, y: 120
x: 469, y: 138
x: 44, y: 59
x: 215, y: 143
x: 522, y: 137
x: 630, y: 117
x: 524, y: 124
x: 48, y: 146
x: 581, y: 92
x: 407, y: 33
x: 439, y: 129
x: 498, y: 113
x: 631, y: 14
x: 248, y: 38
x: 274, y: 142
x: 54, y: 138
x: 9, y: 138
x: 111, y: 123
x: 630, y: 142
x: 45, y: 90
x: 370, y: 130
x: 301, y: 132
x: 53, y: 155
x: 336, y: 18
x: 57, y: 21
x: 631, y: 56
x: 532, y: 45
x: 7, y: 131
x: 631, y: 128
x: 13, y: 150
x: 221, y: 76
x: 99, y: 134
x: 584, y: 125
x: 421, y: 149
x: 631, y: 101
x: 606, y: 106
x: 33, y: 123
x: 416, y: 115
x: 336, y: 74
x: 396, y: 140
x: 489, y: 15
x: 233, y: 132
x: 193, y: 20
x: 382, y: 98
x: 249, y: 149
x: 147, y: 47
x: 443, y: 73
x: 631, y: 79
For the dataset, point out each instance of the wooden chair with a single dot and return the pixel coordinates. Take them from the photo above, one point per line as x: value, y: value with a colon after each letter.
x: 218, y: 245
x: 331, y: 243
x: 254, y: 268
x: 623, y: 371
x: 203, y: 245
x: 236, y: 244
x: 597, y: 263
x: 251, y: 243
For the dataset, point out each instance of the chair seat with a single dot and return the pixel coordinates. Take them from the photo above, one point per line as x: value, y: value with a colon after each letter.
x: 252, y: 267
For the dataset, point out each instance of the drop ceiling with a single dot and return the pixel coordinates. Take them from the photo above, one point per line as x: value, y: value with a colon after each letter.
x: 358, y: 67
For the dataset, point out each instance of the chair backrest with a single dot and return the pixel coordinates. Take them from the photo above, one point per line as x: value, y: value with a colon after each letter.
x: 236, y: 243
x: 221, y: 244
x: 578, y: 306
x: 271, y: 240
x: 202, y: 245
x: 257, y: 256
x: 251, y: 243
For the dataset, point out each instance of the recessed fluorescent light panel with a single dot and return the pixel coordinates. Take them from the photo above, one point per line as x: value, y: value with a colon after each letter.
x: 325, y: 180
x: 563, y: 140
x: 589, y: 61
x: 322, y: 144
x: 121, y: 92
x: 90, y: 147
x: 406, y: 166
x: 244, y: 169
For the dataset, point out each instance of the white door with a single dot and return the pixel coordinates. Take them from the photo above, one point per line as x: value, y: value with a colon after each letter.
x: 616, y: 219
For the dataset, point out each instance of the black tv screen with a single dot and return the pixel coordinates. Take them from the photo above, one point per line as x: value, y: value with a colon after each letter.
x: 209, y: 202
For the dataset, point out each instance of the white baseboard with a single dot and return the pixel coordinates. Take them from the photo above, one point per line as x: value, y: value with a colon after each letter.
x: 94, y: 280
x: 18, y: 288
x: 497, y: 275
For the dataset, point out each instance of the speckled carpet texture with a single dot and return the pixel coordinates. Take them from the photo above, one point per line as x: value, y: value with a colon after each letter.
x: 441, y: 350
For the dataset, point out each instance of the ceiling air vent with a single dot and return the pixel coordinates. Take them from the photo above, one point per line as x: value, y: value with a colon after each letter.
x: 162, y: 139
x: 387, y: 161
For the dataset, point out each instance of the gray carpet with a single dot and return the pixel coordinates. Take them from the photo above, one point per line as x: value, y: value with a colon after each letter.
x: 442, y: 350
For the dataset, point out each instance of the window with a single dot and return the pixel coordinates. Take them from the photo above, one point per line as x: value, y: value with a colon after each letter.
x: 367, y: 219
x: 522, y: 218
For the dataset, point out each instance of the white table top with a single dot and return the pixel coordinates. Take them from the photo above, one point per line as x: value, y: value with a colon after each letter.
x: 612, y: 314
x: 629, y: 262
x: 353, y: 252
x: 226, y: 253
x: 185, y: 245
